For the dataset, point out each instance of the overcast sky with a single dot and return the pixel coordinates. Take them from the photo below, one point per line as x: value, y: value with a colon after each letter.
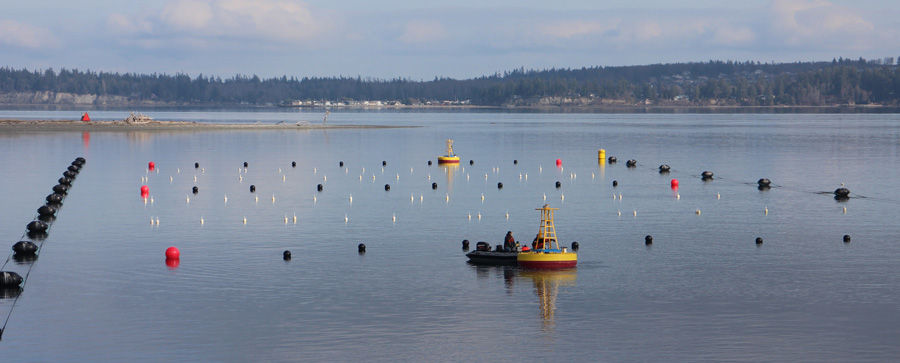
x: 421, y: 40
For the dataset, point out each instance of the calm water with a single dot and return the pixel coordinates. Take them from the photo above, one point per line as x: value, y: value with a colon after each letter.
x: 704, y: 291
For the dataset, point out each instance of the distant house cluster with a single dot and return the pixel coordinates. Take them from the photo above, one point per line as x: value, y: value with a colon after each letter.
x: 375, y: 104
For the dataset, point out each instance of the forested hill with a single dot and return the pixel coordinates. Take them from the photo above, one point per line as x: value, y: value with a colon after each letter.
x: 836, y: 82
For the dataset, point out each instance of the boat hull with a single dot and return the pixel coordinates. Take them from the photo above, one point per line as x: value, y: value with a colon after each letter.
x: 547, y: 260
x: 448, y: 159
x: 493, y: 258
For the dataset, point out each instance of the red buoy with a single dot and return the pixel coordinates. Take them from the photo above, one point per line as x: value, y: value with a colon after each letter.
x: 674, y: 183
x: 558, y: 162
x: 151, y: 165
x: 85, y: 117
x: 172, y: 252
x: 145, y: 189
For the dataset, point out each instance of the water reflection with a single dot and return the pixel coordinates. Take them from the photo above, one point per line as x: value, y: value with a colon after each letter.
x: 546, y: 284
x: 449, y: 170
x: 546, y: 287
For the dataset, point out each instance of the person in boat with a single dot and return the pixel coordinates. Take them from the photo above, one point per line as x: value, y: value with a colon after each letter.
x: 538, y: 242
x: 509, y: 243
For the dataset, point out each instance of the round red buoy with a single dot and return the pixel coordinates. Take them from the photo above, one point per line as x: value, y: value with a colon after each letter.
x: 558, y: 162
x: 145, y: 189
x: 173, y: 263
x: 674, y: 183
x: 151, y: 165
x: 172, y: 252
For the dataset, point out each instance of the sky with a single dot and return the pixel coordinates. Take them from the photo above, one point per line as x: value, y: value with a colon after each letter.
x: 421, y: 40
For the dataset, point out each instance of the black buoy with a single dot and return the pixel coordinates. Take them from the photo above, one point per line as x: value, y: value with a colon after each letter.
x: 9, y: 279
x: 293, y: 164
x: 252, y: 188
x: 631, y: 163
x: 37, y: 227
x: 387, y: 187
x: 516, y: 162
x: 574, y: 246
x: 361, y: 247
x: 341, y: 164
x: 73, y: 169
x: 471, y: 162
x: 842, y: 192
x: 245, y: 164
x: 558, y: 184
x: 25, y: 248
x: 196, y: 165
x: 195, y: 190
x: 80, y: 160
x: 69, y: 174
x: 846, y: 238
x: 465, y: 244
x: 65, y: 181
x: 612, y: 160
x: 500, y: 185
x: 615, y: 183
x: 648, y: 240
x: 433, y: 185
x: 46, y: 210
x: 429, y: 162
x: 706, y: 175
x: 383, y: 163
x: 764, y: 182
x: 60, y: 189
x: 319, y: 187
x: 664, y: 168
x: 759, y: 240
x: 286, y: 255
x: 54, y: 199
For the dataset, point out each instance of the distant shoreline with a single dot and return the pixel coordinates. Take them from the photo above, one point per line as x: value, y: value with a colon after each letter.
x: 121, y: 126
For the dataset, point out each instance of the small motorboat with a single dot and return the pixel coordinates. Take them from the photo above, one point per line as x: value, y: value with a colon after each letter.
x: 483, y: 255
x: 449, y: 157
x: 546, y: 253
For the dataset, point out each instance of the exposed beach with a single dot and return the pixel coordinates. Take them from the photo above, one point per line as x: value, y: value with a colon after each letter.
x: 121, y: 126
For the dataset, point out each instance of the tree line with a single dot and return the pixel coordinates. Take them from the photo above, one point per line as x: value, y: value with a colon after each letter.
x: 840, y: 81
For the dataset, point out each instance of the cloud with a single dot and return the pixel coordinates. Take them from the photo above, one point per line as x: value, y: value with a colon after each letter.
x: 22, y: 35
x: 422, y: 32
x: 817, y: 23
x: 213, y: 22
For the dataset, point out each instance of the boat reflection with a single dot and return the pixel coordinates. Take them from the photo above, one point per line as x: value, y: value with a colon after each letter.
x: 546, y: 284
x: 546, y: 287
x: 449, y: 170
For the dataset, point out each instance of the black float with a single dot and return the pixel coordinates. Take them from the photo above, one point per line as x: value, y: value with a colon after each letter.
x: 341, y: 164
x: 10, y: 279
x: 575, y: 246
x: 196, y: 165
x: 706, y: 175
x: 286, y: 255
x: 648, y: 240
x: 361, y: 248
x: 664, y: 168
x: 25, y: 248
x: 846, y: 238
x: 615, y: 183
x: 631, y: 163
x: 293, y: 164
x: 558, y: 184
x: 612, y: 160
x: 500, y: 185
x: 515, y: 162
x: 252, y: 188
x: 471, y: 162
x: 195, y: 190
x: 383, y: 163
x: 759, y: 240
x: 465, y: 244
x: 245, y: 164
x: 387, y: 187
x: 433, y: 185
x: 319, y: 187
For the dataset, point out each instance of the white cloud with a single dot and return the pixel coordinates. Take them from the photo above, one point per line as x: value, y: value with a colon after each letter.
x: 18, y: 34
x: 211, y: 23
x: 801, y: 22
x: 422, y: 32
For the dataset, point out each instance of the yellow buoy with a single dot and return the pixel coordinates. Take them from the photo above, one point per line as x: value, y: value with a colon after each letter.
x: 601, y: 154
